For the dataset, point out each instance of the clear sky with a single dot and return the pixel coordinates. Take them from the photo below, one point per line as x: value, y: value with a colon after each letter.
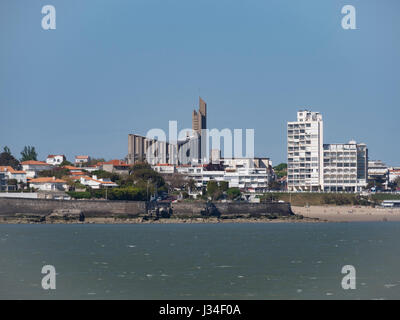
x: 116, y: 67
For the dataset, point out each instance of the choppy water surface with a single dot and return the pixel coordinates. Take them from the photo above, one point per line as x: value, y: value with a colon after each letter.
x: 201, y: 261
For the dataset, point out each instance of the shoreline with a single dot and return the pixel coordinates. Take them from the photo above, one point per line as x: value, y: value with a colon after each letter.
x: 208, y: 220
x: 349, y: 213
x: 312, y: 214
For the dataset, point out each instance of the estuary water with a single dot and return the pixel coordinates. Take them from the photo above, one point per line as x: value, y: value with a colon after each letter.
x: 201, y: 261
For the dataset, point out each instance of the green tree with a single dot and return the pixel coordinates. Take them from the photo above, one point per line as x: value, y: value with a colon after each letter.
x: 7, y: 150
x: 223, y: 186
x: 57, y: 172
x: 29, y: 153
x: 66, y: 163
x: 233, y: 193
x: 280, y: 170
x: 7, y: 159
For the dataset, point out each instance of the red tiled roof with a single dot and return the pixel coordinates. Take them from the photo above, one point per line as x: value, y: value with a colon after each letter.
x: 10, y: 169
x: 34, y: 162
x: 118, y: 163
x: 47, y: 180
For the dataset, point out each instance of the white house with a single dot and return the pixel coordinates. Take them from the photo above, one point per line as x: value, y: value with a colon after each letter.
x: 95, y: 183
x: 55, y: 160
x: 10, y: 173
x: 32, y: 167
x: 49, y: 184
x: 81, y: 160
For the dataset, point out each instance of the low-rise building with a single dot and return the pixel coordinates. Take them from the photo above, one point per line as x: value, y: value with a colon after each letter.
x: 116, y: 166
x: 81, y: 160
x: 32, y: 167
x: 248, y: 179
x: 55, y: 159
x: 377, y: 170
x: 48, y: 184
x: 95, y: 183
x: 18, y: 175
x: 394, y: 173
x: 164, y: 168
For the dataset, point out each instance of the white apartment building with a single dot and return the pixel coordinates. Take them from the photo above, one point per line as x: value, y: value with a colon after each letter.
x: 377, y: 170
x: 248, y: 179
x: 314, y: 166
x: 304, y: 150
x: 345, y: 167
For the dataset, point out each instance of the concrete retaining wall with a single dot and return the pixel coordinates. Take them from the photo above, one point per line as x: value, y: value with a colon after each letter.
x: 98, y: 208
x: 194, y: 209
x: 91, y: 208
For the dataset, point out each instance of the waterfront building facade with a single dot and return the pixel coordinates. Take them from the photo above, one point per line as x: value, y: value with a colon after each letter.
x: 314, y: 166
x: 345, y: 167
x: 377, y: 170
x: 304, y: 152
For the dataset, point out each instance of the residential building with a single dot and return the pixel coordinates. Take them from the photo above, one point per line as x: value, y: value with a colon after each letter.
x: 55, y: 160
x: 95, y: 183
x: 304, y: 151
x: 116, y: 166
x: 377, y: 170
x: 314, y: 166
x: 32, y: 167
x: 81, y: 160
x: 164, y: 168
x: 345, y: 167
x: 18, y: 175
x: 246, y: 179
x: 3, y: 181
x: 394, y: 173
x: 48, y: 184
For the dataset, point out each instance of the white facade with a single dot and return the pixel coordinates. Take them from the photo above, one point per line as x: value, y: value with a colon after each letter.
x: 246, y: 179
x: 314, y: 166
x: 49, y: 184
x: 81, y: 160
x: 33, y: 167
x: 304, y: 150
x: 55, y: 160
x: 345, y: 167
x: 95, y: 183
x: 377, y: 169
x: 10, y: 173
x: 394, y: 173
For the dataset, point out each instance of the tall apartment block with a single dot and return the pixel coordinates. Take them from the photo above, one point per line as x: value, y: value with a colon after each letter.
x: 305, y: 149
x: 314, y: 166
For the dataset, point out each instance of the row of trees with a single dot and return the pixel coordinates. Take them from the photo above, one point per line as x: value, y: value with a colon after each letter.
x: 218, y: 190
x: 7, y: 159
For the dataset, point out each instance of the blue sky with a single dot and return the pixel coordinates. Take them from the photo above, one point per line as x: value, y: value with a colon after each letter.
x: 118, y: 67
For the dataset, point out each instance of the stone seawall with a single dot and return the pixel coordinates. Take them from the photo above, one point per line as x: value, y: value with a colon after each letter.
x: 242, y: 209
x: 90, y: 208
x: 10, y: 207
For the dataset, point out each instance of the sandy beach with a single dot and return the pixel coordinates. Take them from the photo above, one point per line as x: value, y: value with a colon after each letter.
x: 348, y: 213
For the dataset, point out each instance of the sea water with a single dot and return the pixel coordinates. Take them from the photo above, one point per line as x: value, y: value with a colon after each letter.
x: 201, y: 261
